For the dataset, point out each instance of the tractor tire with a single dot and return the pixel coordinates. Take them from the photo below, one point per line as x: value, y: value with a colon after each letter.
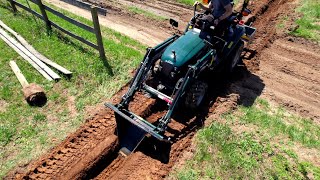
x: 234, y: 57
x: 196, y: 95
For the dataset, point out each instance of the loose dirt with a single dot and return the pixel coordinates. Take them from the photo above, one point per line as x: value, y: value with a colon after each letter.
x: 283, y: 69
x: 290, y: 70
x: 147, y: 31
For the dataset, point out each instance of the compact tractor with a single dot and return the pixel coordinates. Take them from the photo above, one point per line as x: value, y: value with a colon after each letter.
x: 173, y: 71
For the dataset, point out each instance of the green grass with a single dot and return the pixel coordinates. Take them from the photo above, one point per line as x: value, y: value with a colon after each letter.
x: 27, y: 132
x: 296, y: 129
x: 226, y: 151
x: 309, y: 23
x: 145, y: 13
x: 187, y: 2
x: 191, y: 2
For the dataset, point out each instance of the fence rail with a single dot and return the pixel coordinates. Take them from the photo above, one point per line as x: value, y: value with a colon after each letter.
x: 85, y: 5
x: 49, y: 24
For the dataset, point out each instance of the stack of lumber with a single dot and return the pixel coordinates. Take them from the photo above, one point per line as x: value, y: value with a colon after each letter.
x: 38, y: 61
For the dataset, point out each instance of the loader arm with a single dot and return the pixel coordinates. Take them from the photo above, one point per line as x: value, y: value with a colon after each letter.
x: 150, y: 57
x: 192, y: 73
x: 131, y: 128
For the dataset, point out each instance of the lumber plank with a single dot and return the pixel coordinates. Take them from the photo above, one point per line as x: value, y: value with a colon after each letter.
x: 41, y: 71
x: 21, y: 48
x: 35, y: 52
x: 18, y: 73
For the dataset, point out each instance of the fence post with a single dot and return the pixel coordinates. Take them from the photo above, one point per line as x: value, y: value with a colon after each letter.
x: 96, y: 25
x: 44, y: 15
x: 14, y: 8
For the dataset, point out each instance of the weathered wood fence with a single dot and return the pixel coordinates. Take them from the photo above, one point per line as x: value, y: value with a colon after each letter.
x: 49, y: 24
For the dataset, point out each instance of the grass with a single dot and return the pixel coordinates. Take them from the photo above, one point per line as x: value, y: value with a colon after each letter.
x: 186, y: 2
x: 256, y: 151
x: 309, y: 23
x: 27, y: 132
x: 296, y: 129
x: 145, y: 13
x: 191, y: 2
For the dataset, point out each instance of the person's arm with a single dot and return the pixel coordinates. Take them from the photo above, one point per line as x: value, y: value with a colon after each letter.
x: 228, y: 12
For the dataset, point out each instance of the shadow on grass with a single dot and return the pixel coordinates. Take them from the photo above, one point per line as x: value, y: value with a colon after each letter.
x: 68, y: 41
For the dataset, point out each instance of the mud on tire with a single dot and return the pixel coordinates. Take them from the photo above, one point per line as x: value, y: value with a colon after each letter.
x: 196, y: 95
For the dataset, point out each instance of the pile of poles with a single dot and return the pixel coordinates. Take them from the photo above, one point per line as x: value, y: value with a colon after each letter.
x: 33, y: 93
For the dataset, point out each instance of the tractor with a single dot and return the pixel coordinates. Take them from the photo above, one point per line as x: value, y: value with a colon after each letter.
x: 173, y: 72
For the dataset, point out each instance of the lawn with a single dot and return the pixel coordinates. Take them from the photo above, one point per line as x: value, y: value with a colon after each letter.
x: 257, y: 142
x: 309, y: 23
x: 27, y: 132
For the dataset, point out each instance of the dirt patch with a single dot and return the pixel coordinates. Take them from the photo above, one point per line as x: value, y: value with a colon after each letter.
x: 291, y: 71
x: 72, y: 106
x: 307, y: 154
x: 146, y: 31
x: 3, y: 105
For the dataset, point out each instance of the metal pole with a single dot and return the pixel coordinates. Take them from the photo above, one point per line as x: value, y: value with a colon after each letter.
x: 97, y: 30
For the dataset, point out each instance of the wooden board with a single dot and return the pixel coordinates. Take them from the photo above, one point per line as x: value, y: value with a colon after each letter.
x: 18, y: 73
x: 35, y: 52
x: 23, y: 50
x: 41, y: 71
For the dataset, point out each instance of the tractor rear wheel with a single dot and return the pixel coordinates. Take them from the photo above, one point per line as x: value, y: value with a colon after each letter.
x: 234, y: 57
x: 196, y: 94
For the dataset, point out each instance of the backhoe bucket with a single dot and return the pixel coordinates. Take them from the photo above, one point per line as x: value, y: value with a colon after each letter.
x: 129, y: 135
x: 131, y: 129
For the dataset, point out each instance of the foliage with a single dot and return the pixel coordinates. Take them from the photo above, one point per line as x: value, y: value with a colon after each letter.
x: 309, y: 23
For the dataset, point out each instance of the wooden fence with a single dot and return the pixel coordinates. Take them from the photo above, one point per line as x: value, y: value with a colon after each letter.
x: 49, y: 24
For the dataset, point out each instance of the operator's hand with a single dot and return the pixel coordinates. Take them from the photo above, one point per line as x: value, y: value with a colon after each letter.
x: 196, y: 3
x: 216, y: 22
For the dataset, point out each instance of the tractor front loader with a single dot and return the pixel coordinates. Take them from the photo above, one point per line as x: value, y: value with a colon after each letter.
x: 173, y: 72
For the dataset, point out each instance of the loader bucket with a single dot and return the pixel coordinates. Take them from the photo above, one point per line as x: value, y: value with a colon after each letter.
x: 131, y: 129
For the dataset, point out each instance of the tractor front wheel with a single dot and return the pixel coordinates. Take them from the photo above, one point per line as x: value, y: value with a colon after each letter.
x: 196, y: 94
x: 234, y: 57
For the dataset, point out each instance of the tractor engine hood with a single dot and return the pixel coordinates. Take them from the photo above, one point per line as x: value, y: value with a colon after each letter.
x: 183, y: 49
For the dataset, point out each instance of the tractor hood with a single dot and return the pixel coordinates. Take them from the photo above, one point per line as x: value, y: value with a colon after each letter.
x: 184, y: 48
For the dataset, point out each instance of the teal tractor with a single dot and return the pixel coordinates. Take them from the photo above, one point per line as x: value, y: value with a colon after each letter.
x: 173, y: 72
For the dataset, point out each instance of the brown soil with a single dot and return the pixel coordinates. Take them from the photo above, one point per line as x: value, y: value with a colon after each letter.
x: 290, y: 70
x: 288, y: 74
x: 3, y: 105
